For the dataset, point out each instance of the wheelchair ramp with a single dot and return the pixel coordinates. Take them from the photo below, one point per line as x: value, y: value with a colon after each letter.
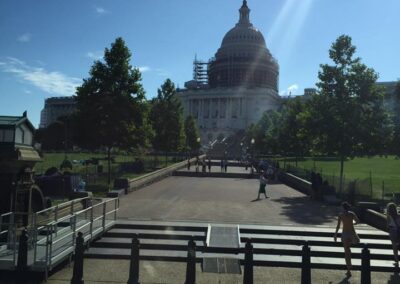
x: 222, y: 237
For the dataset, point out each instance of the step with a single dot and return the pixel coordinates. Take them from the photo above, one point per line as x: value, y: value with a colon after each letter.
x: 161, y: 226
x: 259, y: 260
x: 272, y: 245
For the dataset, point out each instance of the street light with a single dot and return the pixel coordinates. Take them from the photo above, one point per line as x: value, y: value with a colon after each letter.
x: 252, y: 146
x: 241, y: 152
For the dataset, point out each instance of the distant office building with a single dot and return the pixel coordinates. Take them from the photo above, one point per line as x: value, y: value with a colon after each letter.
x: 390, y: 99
x: 389, y: 88
x: 308, y: 92
x: 55, y: 108
x: 233, y: 89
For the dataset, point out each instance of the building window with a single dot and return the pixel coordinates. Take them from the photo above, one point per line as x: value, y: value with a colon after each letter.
x: 222, y: 113
x: 214, y: 106
x: 6, y: 135
x: 235, y: 107
x: 19, y: 136
x: 206, y: 109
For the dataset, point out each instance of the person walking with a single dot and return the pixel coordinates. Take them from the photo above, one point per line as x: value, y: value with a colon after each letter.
x: 203, y: 165
x: 393, y: 224
x: 226, y: 165
x: 209, y: 165
x: 349, y: 236
x: 188, y: 164
x: 263, y: 185
x: 222, y: 165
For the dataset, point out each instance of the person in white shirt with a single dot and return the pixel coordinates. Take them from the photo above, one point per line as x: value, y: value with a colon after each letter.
x: 393, y: 223
x: 263, y: 184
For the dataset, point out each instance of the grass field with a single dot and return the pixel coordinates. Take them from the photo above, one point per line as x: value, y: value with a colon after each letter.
x: 97, y: 183
x: 367, y: 171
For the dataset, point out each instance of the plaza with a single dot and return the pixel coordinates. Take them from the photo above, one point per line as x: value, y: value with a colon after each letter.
x: 197, y: 202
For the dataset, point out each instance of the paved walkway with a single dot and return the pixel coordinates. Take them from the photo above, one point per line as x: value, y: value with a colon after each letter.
x: 222, y: 200
x: 217, y: 169
x: 117, y: 271
x: 217, y: 200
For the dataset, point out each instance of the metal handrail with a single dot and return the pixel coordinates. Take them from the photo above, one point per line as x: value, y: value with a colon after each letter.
x: 53, y: 237
x: 65, y: 204
x: 51, y: 228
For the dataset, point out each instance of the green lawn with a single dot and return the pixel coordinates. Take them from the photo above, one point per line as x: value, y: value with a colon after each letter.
x: 367, y: 171
x: 98, y: 183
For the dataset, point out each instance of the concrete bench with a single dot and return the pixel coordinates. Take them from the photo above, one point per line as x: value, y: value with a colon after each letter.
x: 116, y: 193
x: 332, y: 199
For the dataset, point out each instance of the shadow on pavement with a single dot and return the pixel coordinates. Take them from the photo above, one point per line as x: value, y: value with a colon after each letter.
x: 395, y: 278
x: 302, y: 210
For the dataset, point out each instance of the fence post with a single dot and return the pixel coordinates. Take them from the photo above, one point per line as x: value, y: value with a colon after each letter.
x: 134, y: 266
x: 104, y: 216
x: 77, y: 273
x: 191, y: 263
x: 370, y: 183
x: 22, y: 263
x: 248, y: 263
x: 306, y: 264
x: 365, y: 266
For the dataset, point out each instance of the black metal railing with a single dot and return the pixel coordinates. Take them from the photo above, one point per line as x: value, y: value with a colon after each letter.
x: 190, y: 277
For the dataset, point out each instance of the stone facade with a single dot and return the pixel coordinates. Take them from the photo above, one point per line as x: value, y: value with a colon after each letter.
x: 221, y: 112
x: 56, y: 107
x: 242, y: 84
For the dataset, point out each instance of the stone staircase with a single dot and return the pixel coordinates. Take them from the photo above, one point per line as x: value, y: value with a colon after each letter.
x: 228, y: 147
x: 278, y: 246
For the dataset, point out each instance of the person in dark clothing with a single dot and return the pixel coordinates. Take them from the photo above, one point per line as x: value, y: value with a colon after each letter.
x: 226, y: 165
x: 209, y: 165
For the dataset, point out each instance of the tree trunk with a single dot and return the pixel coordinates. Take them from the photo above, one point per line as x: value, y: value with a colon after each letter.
x: 109, y: 166
x: 341, y: 173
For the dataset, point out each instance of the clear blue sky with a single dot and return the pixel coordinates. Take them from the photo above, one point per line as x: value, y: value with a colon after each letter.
x: 48, y: 46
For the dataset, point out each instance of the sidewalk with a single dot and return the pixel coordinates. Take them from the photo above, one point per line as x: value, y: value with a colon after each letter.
x: 117, y: 271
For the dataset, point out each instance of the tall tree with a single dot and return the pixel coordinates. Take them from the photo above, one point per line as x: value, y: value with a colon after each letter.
x: 396, y: 120
x: 265, y: 133
x: 347, y: 103
x: 111, y: 108
x: 293, y: 135
x: 166, y: 117
x: 192, y: 134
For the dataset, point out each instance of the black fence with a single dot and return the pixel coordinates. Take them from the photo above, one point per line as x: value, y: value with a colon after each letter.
x: 353, y: 190
x: 190, y: 277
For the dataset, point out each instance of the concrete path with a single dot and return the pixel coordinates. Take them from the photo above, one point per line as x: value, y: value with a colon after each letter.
x: 217, y: 200
x: 221, y: 200
x: 217, y: 169
x: 117, y: 271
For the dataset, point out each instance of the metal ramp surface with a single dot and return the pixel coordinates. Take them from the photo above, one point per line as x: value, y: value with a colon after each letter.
x: 223, y: 237
x: 52, y: 232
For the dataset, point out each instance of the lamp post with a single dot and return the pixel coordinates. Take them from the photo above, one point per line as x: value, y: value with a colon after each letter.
x: 198, y: 142
x: 252, y: 146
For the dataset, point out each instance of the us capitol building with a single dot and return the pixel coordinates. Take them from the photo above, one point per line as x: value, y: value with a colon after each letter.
x: 233, y: 89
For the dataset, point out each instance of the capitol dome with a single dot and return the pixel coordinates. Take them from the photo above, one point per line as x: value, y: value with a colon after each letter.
x: 243, y: 58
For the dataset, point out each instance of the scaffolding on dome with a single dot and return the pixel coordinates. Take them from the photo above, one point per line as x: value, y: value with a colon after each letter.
x: 200, y: 71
